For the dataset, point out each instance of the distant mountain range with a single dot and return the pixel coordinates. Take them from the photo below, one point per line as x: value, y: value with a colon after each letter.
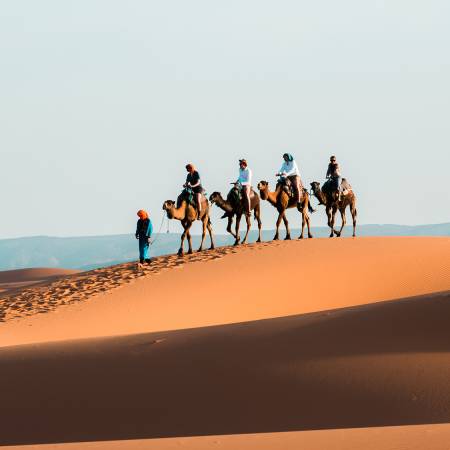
x: 96, y: 251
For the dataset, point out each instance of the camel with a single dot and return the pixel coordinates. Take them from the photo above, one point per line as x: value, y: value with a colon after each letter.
x: 281, y: 200
x: 233, y: 206
x: 332, y: 204
x: 187, y: 214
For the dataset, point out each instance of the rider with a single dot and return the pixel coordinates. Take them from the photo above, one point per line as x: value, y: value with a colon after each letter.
x: 193, y: 182
x: 245, y: 180
x: 334, y: 174
x: 289, y: 170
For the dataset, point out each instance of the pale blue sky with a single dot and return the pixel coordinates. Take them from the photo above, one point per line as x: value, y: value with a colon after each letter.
x: 104, y: 102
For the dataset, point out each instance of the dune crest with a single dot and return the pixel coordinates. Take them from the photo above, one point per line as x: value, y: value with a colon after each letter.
x: 19, y: 279
x: 227, y: 285
x: 298, y: 342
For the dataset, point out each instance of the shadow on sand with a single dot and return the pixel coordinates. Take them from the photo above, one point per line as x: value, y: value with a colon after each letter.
x: 373, y: 365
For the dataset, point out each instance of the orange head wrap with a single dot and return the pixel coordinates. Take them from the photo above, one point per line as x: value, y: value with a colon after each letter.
x: 142, y: 214
x: 190, y: 167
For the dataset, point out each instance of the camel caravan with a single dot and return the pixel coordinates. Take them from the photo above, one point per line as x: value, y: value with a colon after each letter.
x: 335, y: 194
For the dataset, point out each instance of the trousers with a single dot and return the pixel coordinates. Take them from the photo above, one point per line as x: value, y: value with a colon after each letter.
x: 144, y: 248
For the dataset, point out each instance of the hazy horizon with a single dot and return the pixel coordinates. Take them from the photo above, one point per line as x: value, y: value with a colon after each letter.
x: 104, y: 102
x: 178, y: 231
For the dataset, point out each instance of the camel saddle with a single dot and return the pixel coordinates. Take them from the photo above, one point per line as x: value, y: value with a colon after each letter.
x: 328, y: 187
x: 188, y: 196
x: 235, y: 195
x: 288, y: 187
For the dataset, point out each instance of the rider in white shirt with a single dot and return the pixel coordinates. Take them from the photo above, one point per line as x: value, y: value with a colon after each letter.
x: 289, y: 170
x: 245, y: 180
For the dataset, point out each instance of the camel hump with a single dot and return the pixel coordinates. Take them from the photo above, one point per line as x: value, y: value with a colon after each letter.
x: 346, y: 185
x: 204, y: 201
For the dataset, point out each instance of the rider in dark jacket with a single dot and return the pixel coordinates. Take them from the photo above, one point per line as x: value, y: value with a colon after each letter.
x: 193, y: 181
x: 334, y: 175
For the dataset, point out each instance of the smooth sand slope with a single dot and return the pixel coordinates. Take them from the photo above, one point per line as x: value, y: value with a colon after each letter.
x: 228, y: 285
x: 418, y: 437
x: 383, y: 364
x: 308, y: 354
x: 14, y: 280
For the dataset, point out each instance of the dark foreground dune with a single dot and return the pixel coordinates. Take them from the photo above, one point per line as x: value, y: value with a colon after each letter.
x: 384, y: 364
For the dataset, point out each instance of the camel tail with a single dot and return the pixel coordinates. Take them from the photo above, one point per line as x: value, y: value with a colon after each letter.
x: 310, y: 208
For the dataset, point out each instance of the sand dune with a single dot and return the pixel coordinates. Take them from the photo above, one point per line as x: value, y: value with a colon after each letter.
x: 373, y: 365
x: 329, y: 336
x: 417, y: 437
x: 228, y: 285
x: 34, y: 274
x: 15, y: 280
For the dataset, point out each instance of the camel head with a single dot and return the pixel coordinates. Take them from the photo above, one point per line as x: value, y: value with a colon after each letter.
x: 169, y: 206
x: 263, y: 187
x: 215, y: 197
x: 315, y: 188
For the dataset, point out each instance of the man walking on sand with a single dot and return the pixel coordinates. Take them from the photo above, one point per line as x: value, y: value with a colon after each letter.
x: 144, y: 231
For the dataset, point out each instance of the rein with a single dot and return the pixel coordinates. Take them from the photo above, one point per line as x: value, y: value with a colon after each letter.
x: 160, y: 228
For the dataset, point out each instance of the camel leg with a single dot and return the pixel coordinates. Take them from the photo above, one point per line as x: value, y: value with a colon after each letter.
x: 204, y: 225
x: 343, y: 220
x: 209, y: 227
x: 230, y: 223
x: 249, y: 225
x: 238, y: 224
x: 303, y: 213
x: 280, y: 217
x: 183, y: 237
x: 333, y: 216
x: 308, y: 224
x: 354, y: 214
x: 306, y: 217
x: 258, y: 219
x: 286, y: 224
x: 328, y: 211
x: 189, y: 239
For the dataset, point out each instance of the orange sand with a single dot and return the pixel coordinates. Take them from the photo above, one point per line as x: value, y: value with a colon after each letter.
x: 418, y: 437
x: 281, y: 278
x: 281, y: 360
x: 11, y: 280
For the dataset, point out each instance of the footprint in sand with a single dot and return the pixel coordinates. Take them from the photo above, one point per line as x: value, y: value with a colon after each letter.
x: 84, y: 286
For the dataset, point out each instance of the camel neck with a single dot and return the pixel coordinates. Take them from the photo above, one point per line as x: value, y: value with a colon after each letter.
x: 321, y: 197
x: 222, y: 204
x: 179, y: 213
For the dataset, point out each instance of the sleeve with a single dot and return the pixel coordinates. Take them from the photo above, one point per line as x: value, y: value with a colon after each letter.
x: 282, y: 168
x: 328, y: 171
x: 137, y: 229
x: 150, y: 228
